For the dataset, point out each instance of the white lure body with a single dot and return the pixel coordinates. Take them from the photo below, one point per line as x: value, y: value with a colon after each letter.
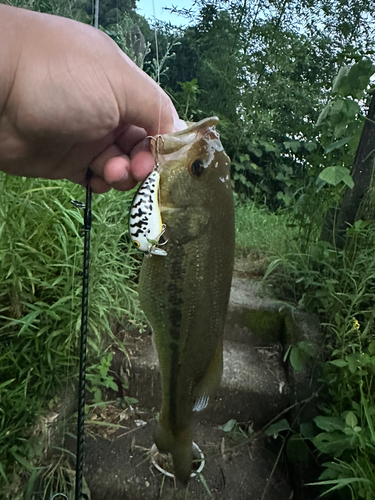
x: 145, y: 224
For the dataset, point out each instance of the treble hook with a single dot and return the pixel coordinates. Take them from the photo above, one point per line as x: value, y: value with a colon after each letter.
x: 56, y: 495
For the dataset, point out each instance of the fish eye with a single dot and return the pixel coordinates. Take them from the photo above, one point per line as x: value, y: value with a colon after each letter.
x: 197, y: 168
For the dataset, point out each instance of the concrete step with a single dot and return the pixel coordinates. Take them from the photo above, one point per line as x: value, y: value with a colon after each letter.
x: 254, y: 390
x: 255, y: 317
x: 253, y: 387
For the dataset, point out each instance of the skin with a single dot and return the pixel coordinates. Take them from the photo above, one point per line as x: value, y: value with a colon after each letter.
x: 71, y: 100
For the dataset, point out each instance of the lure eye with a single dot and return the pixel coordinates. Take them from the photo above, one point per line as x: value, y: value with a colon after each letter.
x: 137, y: 244
x: 197, y: 168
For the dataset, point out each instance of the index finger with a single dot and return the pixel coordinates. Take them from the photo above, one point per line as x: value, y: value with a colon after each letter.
x: 142, y: 101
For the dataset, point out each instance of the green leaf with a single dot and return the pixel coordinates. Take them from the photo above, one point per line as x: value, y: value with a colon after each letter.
x: 371, y: 347
x: 244, y: 158
x: 337, y: 145
x: 352, y: 81
x: 203, y: 481
x: 275, y: 429
x: 339, y: 483
x: 351, y: 108
x: 336, y: 174
x: 298, y: 358
x: 351, y: 420
x: 333, y: 443
x: 228, y: 426
x: 257, y: 151
x: 111, y: 384
x: 329, y: 424
x: 310, y: 146
x: 292, y: 145
x: 352, y: 363
x: 341, y: 363
x: 25, y: 463
x: 307, y: 430
x: 337, y: 81
x: 131, y: 401
x: 359, y: 75
x: 337, y: 107
x: 324, y: 113
x: 2, y: 473
x: 7, y: 382
x: 306, y: 346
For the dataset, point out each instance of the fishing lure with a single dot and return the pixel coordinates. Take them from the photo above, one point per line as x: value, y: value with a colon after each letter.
x: 145, y: 224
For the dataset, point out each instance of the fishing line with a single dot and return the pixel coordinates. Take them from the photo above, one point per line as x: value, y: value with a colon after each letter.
x: 96, y: 14
x: 157, y: 63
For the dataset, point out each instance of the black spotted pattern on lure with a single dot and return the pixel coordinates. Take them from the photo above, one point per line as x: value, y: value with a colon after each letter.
x: 145, y: 224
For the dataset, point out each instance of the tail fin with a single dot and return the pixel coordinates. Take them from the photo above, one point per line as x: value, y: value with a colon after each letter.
x: 179, y: 445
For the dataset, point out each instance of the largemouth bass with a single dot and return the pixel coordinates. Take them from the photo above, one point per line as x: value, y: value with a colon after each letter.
x: 185, y: 293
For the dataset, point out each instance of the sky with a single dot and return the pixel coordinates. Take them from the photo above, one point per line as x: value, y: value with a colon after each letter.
x: 146, y: 9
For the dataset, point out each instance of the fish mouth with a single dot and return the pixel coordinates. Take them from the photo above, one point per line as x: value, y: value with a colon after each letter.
x: 211, y: 121
x: 167, y: 144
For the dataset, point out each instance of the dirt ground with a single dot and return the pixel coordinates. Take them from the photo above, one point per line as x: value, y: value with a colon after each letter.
x: 118, y: 464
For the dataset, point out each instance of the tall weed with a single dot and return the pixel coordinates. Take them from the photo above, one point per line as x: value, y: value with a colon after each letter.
x: 339, y: 285
x: 40, y: 270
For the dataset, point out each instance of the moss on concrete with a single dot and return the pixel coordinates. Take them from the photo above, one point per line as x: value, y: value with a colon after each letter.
x: 266, y: 326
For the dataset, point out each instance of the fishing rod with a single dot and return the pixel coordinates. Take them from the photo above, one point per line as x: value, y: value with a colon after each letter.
x: 83, y: 344
x: 84, y: 321
x: 84, y: 328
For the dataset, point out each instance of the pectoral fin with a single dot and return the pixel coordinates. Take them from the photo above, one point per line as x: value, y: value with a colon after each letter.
x: 210, y: 381
x: 201, y: 403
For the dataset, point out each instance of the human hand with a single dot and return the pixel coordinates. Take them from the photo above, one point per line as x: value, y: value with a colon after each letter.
x: 71, y: 100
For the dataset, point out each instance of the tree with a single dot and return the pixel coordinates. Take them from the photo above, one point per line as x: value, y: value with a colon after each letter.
x: 265, y: 70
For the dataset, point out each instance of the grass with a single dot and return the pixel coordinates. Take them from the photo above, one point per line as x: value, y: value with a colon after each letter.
x: 258, y: 229
x: 260, y: 235
x: 40, y: 265
x: 339, y: 286
x: 40, y: 269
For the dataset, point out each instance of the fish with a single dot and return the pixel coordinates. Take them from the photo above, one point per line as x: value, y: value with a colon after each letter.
x: 184, y: 293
